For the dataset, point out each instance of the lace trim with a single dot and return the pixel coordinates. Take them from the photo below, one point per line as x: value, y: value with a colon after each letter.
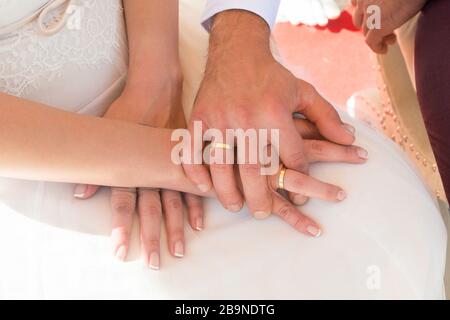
x: 28, y: 58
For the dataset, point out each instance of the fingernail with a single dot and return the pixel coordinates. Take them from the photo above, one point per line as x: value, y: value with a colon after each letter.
x: 153, y: 261
x: 199, y: 224
x: 121, y: 253
x: 314, y: 231
x: 179, y: 249
x: 203, y: 187
x: 80, y: 191
x: 342, y: 195
x: 362, y: 153
x: 350, y: 129
x: 261, y: 215
x: 234, y: 208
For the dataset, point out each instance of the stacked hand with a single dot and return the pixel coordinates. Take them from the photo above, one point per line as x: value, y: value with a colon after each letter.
x: 162, y: 110
x: 393, y: 15
x: 245, y: 88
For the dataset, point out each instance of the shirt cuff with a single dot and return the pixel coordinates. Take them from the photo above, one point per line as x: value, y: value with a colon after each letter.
x: 266, y: 9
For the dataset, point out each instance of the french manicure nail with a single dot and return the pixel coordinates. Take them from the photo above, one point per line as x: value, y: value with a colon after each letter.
x: 362, y: 153
x: 203, y: 187
x: 121, y: 253
x: 314, y: 231
x: 342, y: 195
x: 261, y: 215
x: 350, y: 129
x: 199, y: 224
x: 179, y: 249
x: 153, y: 261
x: 80, y: 191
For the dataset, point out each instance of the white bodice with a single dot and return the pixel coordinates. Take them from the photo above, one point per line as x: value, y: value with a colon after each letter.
x: 87, y: 58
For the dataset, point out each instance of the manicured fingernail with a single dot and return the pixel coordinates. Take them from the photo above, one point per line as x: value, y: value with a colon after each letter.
x: 362, y: 153
x: 261, y: 215
x: 178, y: 249
x: 153, y: 261
x: 80, y: 191
x: 199, y: 224
x: 314, y: 231
x: 121, y: 253
x: 342, y: 195
x: 234, y: 208
x: 350, y: 129
x: 203, y: 187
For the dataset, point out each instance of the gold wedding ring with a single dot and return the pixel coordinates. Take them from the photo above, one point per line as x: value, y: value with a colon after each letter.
x: 281, y: 177
x: 224, y: 146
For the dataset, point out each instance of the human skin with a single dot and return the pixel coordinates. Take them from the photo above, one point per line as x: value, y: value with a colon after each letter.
x: 152, y: 97
x: 393, y: 15
x: 244, y: 87
x: 46, y: 144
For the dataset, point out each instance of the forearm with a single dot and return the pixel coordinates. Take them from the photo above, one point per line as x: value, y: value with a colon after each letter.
x: 152, y: 28
x: 42, y: 143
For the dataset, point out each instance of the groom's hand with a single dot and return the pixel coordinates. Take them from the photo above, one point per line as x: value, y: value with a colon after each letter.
x: 244, y: 87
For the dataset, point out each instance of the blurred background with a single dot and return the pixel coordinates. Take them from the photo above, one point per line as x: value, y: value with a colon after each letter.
x: 334, y: 57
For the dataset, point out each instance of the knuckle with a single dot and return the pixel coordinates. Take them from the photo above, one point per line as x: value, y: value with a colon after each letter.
x: 243, y: 113
x: 153, y: 211
x: 123, y: 207
x: 296, y: 160
x: 308, y: 94
x: 316, y: 146
x: 331, y: 114
x: 173, y: 203
x: 285, y: 211
x: 273, y: 107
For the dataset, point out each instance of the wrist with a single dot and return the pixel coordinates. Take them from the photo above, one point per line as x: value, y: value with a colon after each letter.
x: 239, y: 31
x: 144, y: 83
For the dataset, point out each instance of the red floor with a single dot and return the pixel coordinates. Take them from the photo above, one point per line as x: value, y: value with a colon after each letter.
x: 333, y: 58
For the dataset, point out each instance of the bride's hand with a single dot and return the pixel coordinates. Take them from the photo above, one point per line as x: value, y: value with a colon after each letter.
x: 317, y: 149
x: 161, y: 108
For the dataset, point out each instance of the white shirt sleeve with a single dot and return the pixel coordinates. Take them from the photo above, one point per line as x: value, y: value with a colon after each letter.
x: 266, y: 9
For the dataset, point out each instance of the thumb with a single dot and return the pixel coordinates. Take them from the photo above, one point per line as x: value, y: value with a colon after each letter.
x: 84, y: 191
x: 320, y: 112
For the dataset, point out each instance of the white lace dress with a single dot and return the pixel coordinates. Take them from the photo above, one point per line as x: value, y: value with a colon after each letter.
x: 387, y: 240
